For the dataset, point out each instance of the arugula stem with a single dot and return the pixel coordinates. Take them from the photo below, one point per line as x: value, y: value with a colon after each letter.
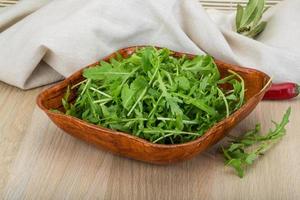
x: 144, y: 91
x: 245, y: 150
x: 128, y: 76
x: 172, y: 119
x: 137, y: 101
x: 242, y: 92
x: 85, y: 87
x: 225, y: 101
x: 169, y: 77
x: 78, y: 84
x: 155, y: 106
x: 100, y: 92
x: 226, y: 79
x: 171, y: 132
x: 165, y: 136
x: 102, y: 100
x: 127, y: 120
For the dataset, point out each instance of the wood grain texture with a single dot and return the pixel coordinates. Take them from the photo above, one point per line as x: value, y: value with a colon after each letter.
x: 53, y: 165
x: 50, y: 164
x: 256, y: 84
x: 16, y: 107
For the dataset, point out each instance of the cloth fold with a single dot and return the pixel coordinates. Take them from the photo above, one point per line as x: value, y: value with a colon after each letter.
x: 62, y: 36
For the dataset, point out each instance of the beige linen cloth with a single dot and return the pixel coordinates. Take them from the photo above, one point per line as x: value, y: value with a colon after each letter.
x: 61, y: 36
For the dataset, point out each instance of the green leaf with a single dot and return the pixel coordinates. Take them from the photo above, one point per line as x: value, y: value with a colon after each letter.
x: 238, y: 153
x: 105, y: 111
x: 248, y: 142
x: 93, y: 106
x: 237, y: 165
x: 254, y: 131
x: 257, y: 30
x: 171, y: 101
x: 146, y: 59
x: 249, y: 10
x: 248, y: 19
x: 251, y: 17
x: 250, y: 158
x: 239, y: 16
x: 243, y: 151
x: 156, y: 95
x: 260, y: 12
x: 65, y: 99
x: 127, y: 97
x: 128, y: 94
x: 104, y: 71
x: 239, y: 87
x: 98, y: 72
x: 55, y: 111
x: 235, y: 146
x: 199, y: 103
x: 183, y: 83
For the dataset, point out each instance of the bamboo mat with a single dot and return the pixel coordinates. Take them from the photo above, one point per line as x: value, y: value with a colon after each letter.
x: 231, y: 4
x: 217, y: 4
x: 5, y: 3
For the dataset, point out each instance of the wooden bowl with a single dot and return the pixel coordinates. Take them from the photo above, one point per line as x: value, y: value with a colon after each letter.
x: 256, y: 84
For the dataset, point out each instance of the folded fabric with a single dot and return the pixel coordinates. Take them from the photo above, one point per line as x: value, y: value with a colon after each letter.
x: 65, y: 35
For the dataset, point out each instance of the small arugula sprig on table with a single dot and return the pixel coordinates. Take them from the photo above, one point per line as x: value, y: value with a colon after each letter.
x: 156, y: 96
x: 248, y: 19
x: 243, y: 151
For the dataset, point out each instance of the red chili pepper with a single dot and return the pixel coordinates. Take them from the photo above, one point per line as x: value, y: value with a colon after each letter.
x: 282, y: 91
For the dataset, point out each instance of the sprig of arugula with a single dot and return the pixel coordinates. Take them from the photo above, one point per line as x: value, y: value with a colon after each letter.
x: 156, y: 96
x: 248, y: 19
x: 243, y: 151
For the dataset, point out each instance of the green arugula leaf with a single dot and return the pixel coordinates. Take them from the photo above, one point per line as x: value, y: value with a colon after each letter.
x: 103, y: 70
x: 183, y: 82
x: 243, y: 151
x: 157, y: 96
x: 146, y: 60
x: 128, y: 94
x: 65, y: 99
x: 237, y: 165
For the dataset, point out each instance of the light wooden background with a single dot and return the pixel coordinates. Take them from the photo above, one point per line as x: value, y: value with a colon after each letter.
x: 39, y: 161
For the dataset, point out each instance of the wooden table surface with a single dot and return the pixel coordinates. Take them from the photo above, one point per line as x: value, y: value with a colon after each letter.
x: 39, y: 161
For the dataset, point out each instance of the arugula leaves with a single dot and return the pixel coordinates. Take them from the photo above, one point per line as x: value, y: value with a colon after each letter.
x: 248, y: 19
x: 156, y: 96
x: 243, y: 151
